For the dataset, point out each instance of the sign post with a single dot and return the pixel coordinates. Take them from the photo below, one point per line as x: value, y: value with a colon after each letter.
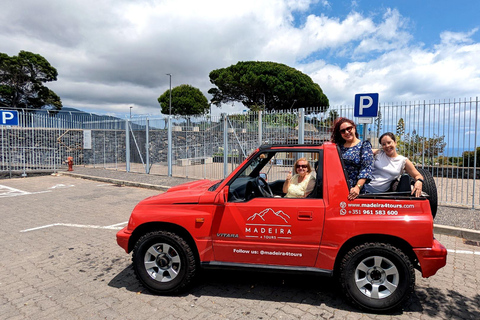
x: 366, y: 108
x: 8, y: 117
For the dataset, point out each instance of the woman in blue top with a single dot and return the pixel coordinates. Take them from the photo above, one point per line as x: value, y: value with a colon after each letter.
x: 357, y: 155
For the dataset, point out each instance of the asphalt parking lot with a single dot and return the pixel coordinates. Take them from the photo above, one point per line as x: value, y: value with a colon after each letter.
x: 60, y: 260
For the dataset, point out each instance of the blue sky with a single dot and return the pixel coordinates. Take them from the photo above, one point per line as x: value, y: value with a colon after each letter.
x: 114, y: 54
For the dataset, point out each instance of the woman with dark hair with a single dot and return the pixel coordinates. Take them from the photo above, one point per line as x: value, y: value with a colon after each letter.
x: 357, y: 155
x: 389, y: 165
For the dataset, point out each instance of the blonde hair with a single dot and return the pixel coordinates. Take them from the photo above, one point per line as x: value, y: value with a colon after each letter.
x: 309, y: 168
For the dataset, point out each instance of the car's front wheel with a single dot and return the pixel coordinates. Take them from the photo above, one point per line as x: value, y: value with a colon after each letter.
x: 377, y: 277
x: 163, y: 262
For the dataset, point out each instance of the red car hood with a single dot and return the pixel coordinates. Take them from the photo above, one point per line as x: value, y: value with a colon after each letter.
x: 189, y: 192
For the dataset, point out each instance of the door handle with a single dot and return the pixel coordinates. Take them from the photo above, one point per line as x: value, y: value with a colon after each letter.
x: 305, y: 215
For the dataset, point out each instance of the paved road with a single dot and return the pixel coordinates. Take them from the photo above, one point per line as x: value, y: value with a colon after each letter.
x: 59, y: 260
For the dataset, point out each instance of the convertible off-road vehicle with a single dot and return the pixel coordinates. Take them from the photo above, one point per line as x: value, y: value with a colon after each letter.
x: 372, y: 244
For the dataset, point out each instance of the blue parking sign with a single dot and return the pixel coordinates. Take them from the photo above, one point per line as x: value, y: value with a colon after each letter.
x: 366, y: 105
x: 8, y: 117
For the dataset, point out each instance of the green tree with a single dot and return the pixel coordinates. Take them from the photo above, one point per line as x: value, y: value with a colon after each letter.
x: 186, y: 100
x: 468, y: 158
x: 416, y: 146
x: 378, y: 123
x: 400, y: 128
x: 328, y: 121
x: 271, y: 85
x: 22, y: 81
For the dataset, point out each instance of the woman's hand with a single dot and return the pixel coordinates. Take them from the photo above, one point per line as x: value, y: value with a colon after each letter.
x: 417, y: 188
x: 354, y: 192
x: 289, y: 176
x: 286, y: 184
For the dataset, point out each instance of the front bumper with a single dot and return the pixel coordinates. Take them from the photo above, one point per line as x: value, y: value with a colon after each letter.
x: 123, y: 237
x: 431, y: 259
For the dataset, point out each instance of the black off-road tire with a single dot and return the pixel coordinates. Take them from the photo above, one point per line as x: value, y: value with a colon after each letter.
x: 430, y: 188
x: 377, y: 277
x: 164, y: 262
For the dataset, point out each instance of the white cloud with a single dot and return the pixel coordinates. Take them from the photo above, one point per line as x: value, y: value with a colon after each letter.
x: 408, y: 74
x: 388, y: 35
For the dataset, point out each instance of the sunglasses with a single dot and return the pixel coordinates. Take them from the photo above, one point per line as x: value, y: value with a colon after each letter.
x: 346, y: 130
x: 302, y: 166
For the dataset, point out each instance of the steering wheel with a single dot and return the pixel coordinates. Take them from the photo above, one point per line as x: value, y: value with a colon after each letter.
x: 263, y: 187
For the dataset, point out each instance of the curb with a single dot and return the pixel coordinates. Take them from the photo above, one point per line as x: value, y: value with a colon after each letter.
x: 467, y: 234
x: 119, y: 182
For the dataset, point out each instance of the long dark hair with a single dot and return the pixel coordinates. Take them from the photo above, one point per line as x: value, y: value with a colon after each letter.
x: 336, y: 135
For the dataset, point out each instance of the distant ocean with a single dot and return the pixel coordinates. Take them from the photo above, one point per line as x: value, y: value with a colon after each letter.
x: 455, y: 152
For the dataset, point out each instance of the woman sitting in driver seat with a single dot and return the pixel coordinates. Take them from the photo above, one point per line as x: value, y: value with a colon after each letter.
x: 302, y: 182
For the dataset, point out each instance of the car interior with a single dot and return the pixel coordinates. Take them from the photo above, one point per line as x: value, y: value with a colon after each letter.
x: 265, y: 174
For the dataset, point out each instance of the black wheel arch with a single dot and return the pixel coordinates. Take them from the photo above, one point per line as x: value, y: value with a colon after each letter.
x: 165, y: 226
x: 366, y: 238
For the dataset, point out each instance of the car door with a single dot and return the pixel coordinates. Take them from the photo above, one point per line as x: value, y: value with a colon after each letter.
x: 269, y: 230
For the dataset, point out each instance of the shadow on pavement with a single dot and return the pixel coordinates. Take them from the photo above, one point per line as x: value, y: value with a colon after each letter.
x: 446, y: 305
x: 308, y: 289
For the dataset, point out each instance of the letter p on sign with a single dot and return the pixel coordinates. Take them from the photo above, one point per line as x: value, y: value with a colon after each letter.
x: 8, y: 118
x: 366, y: 105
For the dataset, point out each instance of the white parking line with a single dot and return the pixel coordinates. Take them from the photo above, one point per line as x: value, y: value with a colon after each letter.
x: 12, y: 192
x: 118, y: 224
x: 464, y: 252
x: 111, y: 227
x: 61, y: 185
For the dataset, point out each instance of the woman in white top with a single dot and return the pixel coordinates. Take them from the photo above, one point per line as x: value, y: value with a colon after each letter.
x: 302, y: 183
x: 389, y: 165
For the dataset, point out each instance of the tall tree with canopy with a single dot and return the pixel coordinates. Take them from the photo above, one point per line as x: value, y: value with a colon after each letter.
x: 22, y: 81
x: 268, y: 85
x: 186, y: 100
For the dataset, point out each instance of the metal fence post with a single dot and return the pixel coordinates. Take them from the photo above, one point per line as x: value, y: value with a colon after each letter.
x: 127, y: 145
x: 260, y: 128
x: 301, y: 125
x: 475, y: 154
x: 423, y: 134
x: 169, y: 154
x: 225, y: 145
x: 147, y: 146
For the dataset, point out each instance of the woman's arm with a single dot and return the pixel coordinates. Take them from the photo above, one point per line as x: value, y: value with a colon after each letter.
x: 355, y: 190
x: 310, y: 186
x: 365, y: 174
x: 366, y: 162
x: 286, y: 184
x: 413, y: 172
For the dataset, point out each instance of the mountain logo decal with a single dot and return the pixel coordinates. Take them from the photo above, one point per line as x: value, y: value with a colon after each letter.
x: 270, y: 215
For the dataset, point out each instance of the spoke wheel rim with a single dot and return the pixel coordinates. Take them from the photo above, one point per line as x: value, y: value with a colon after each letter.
x: 377, y: 277
x: 162, y: 262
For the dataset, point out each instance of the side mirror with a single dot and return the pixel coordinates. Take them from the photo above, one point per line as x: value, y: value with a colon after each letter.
x: 222, y: 196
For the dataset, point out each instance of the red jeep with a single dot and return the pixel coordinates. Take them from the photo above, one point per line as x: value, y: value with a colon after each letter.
x: 371, y: 244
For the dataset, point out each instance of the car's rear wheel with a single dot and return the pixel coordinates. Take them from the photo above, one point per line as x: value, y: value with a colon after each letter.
x: 377, y: 277
x: 163, y: 262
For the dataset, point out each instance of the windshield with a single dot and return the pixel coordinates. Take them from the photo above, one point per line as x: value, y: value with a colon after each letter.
x: 255, y: 165
x: 215, y: 186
